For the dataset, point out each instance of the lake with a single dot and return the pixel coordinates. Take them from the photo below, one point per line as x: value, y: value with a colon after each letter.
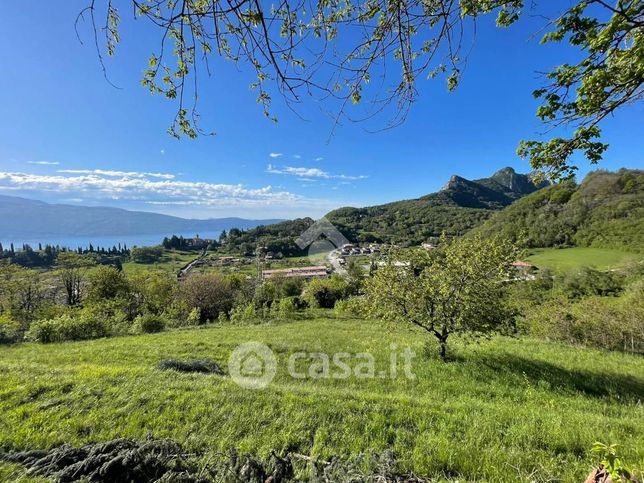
x: 101, y: 241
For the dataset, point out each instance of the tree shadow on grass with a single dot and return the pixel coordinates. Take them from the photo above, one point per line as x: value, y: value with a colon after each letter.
x: 622, y: 387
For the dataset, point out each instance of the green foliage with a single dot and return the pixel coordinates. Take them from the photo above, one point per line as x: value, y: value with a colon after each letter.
x: 607, y: 76
x: 612, y: 462
x: 460, y: 206
x: 605, y: 210
x: 146, y: 254
x: 589, y: 281
x: 194, y: 317
x: 9, y: 330
x: 154, y: 292
x: 599, y: 309
x: 276, y: 289
x: 210, y: 293
x: 149, y: 324
x: 458, y: 289
x: 107, y: 283
x: 68, y: 327
x: 72, y: 273
x: 325, y: 292
x: 285, y: 309
x: 278, y: 238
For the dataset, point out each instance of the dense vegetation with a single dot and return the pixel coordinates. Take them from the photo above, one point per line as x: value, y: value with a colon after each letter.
x: 460, y: 206
x: 46, y: 256
x: 605, y: 210
x: 278, y: 238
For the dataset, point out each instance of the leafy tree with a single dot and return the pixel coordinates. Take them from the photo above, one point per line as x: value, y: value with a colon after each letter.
x: 608, y: 76
x: 107, y: 283
x: 458, y: 289
x: 211, y: 294
x: 153, y: 291
x: 355, y: 277
x: 22, y: 292
x: 146, y: 254
x: 72, y: 273
x: 325, y: 292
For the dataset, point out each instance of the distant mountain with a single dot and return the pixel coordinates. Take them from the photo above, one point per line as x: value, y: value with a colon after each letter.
x: 22, y: 218
x: 605, y: 210
x: 460, y: 206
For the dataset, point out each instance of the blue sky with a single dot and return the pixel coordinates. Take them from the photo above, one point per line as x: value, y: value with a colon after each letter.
x: 66, y: 135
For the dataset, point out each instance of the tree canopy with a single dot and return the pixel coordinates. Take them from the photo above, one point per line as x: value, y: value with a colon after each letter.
x: 332, y: 49
x: 458, y: 289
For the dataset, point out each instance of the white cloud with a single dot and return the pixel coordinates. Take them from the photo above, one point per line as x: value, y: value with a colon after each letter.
x: 309, y: 173
x: 275, y: 155
x: 162, y: 152
x: 146, y: 188
x: 319, y: 158
x: 297, y: 156
x: 44, y: 163
x: 118, y: 174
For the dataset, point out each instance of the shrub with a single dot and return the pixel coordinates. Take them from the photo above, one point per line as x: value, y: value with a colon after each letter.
x: 244, y: 313
x: 605, y: 322
x: 223, y: 317
x: 285, y: 309
x: 324, y: 293
x: 67, y: 327
x: 146, y: 254
x: 589, y: 281
x: 149, y: 324
x: 352, y: 307
x: 107, y: 283
x: 211, y: 294
x: 9, y: 330
x: 194, y: 317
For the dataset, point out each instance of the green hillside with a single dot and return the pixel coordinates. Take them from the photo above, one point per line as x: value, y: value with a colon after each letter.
x: 507, y: 410
x: 605, y: 211
x: 460, y: 206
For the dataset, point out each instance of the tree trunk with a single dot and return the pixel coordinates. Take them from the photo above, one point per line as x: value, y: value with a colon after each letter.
x: 443, y: 350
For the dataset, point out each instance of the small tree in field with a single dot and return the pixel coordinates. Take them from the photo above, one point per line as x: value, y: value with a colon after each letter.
x: 458, y: 289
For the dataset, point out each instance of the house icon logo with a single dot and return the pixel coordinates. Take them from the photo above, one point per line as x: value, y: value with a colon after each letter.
x: 321, y: 237
x: 252, y: 365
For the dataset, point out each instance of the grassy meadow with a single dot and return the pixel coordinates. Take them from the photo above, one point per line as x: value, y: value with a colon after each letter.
x: 502, y: 410
x: 564, y: 259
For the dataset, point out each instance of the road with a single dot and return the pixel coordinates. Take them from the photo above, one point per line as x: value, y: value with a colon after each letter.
x: 334, y: 259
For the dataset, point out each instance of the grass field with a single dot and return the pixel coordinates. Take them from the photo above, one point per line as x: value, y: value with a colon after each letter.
x: 571, y: 258
x: 504, y: 410
x: 172, y: 262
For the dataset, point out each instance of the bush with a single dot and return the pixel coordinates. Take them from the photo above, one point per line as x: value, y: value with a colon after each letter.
x: 149, y: 324
x: 352, y: 307
x: 146, y: 254
x: 605, y: 322
x: 284, y: 309
x: 107, y: 283
x: 244, y: 313
x: 211, y: 294
x: 67, y: 327
x: 9, y: 330
x: 324, y: 293
x: 589, y: 281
